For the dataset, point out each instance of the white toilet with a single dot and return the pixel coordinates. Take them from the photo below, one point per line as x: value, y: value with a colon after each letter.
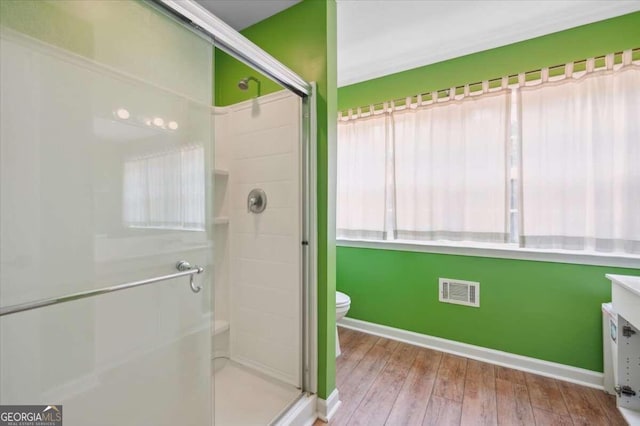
x: 343, y: 303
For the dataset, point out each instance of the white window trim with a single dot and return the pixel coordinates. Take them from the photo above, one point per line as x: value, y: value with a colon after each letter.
x: 499, y: 251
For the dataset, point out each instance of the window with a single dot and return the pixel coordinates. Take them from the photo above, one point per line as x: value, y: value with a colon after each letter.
x: 450, y: 171
x: 550, y: 164
x: 362, y: 166
x: 166, y: 190
x: 581, y: 164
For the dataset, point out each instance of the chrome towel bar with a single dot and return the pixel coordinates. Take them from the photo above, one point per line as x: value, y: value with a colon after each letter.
x: 184, y: 268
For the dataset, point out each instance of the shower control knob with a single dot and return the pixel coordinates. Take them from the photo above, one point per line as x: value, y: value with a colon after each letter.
x: 256, y: 201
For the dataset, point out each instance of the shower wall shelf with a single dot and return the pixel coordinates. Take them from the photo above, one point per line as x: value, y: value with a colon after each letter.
x: 221, y: 220
x: 221, y: 172
x: 219, y: 327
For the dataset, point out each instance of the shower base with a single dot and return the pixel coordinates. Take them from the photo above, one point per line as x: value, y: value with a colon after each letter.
x: 246, y: 397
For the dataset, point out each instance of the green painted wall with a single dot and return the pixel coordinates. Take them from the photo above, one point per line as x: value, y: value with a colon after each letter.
x: 303, y: 37
x: 549, y: 311
x: 544, y: 310
x: 558, y: 48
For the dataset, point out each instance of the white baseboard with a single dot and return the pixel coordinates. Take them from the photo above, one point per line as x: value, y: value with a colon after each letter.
x: 581, y: 376
x: 327, y: 408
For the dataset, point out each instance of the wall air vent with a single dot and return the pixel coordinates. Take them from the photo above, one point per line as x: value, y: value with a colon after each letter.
x: 460, y: 292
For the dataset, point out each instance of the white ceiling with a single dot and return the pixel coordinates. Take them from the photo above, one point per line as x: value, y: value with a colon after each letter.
x: 381, y: 37
x: 241, y: 14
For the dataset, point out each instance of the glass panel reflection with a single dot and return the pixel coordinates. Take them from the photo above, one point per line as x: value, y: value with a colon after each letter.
x: 106, y: 147
x: 165, y: 190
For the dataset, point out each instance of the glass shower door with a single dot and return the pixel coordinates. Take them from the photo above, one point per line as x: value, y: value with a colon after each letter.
x: 106, y: 157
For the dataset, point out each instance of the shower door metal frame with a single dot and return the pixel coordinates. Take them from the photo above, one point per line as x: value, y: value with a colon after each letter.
x: 235, y: 44
x: 310, y: 237
x: 224, y: 37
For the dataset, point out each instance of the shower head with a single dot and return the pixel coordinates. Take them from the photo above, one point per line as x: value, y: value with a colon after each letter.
x: 244, y: 83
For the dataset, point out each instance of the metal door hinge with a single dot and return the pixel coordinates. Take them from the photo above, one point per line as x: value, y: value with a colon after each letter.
x: 625, y: 390
x: 628, y: 331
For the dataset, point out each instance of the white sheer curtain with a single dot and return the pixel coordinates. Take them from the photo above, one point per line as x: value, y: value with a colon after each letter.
x: 450, y: 170
x: 550, y: 162
x: 166, y: 190
x: 360, y: 207
x: 581, y: 163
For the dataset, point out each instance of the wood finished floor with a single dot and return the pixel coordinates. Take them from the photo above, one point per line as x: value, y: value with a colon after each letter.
x: 384, y: 382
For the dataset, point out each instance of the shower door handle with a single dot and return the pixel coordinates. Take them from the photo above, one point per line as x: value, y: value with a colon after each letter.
x: 184, y: 268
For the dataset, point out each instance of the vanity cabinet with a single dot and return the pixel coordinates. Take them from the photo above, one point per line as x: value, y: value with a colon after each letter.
x: 625, y: 298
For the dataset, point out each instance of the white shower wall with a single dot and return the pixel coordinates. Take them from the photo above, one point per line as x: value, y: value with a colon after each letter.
x: 262, y: 140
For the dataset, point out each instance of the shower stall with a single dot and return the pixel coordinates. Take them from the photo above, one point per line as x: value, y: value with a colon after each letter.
x: 156, y: 251
x: 258, y: 269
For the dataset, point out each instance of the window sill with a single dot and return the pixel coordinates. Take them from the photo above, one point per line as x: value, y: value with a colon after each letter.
x: 499, y: 251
